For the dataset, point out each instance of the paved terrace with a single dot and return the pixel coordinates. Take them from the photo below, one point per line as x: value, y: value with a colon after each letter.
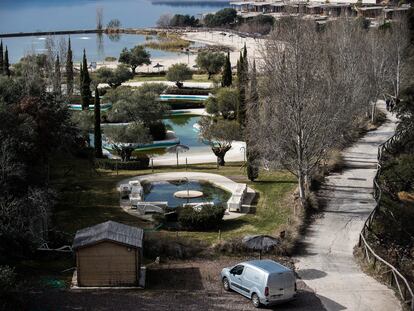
x: 327, y: 264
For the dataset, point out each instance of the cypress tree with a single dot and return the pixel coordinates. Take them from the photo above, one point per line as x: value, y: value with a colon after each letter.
x: 57, y: 78
x: 6, y: 65
x: 252, y: 114
x: 1, y: 57
x: 97, y: 129
x: 227, y: 78
x: 69, y: 70
x: 242, y: 72
x: 85, y: 84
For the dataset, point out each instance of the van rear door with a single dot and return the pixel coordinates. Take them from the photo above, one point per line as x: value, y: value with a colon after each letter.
x: 281, y: 285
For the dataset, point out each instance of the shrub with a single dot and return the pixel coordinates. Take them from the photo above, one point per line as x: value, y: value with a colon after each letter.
x: 7, y: 281
x: 187, y: 91
x: 178, y: 73
x: 179, y: 104
x: 209, y: 217
x: 110, y: 59
x: 160, y: 73
x: 141, y: 163
x: 168, y: 45
x: 158, y: 130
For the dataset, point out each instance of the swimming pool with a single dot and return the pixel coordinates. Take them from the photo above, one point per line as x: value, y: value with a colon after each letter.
x: 163, y: 191
x: 167, y: 97
x: 185, y: 128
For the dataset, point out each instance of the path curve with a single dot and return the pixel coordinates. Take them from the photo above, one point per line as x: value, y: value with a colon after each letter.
x: 326, y: 262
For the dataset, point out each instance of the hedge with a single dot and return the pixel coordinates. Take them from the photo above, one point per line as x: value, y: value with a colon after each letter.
x: 108, y: 164
x: 187, y: 91
x: 209, y: 217
x: 180, y: 104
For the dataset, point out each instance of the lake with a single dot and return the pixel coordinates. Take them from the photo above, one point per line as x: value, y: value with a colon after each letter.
x: 47, y: 15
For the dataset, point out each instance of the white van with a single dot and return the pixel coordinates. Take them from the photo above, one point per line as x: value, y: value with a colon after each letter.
x: 265, y: 282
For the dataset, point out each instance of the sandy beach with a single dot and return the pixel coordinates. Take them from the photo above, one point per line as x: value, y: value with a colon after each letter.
x: 227, y: 39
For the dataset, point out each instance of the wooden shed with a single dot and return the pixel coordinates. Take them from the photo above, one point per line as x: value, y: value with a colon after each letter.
x: 108, y: 254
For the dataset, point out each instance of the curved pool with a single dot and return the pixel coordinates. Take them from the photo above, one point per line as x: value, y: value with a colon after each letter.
x: 163, y: 191
x: 167, y: 97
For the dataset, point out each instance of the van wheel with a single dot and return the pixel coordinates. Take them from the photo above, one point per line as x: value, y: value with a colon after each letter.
x: 256, y: 301
x: 226, y: 284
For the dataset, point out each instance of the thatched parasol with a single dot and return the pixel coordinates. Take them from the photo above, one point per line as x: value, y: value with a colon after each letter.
x: 260, y: 243
x: 178, y: 148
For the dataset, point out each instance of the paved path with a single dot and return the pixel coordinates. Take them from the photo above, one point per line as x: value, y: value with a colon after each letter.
x: 201, y: 155
x: 327, y: 264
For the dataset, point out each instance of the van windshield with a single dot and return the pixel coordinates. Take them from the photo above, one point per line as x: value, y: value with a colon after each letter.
x: 237, y: 270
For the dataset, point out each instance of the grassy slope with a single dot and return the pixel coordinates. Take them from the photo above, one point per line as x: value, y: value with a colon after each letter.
x: 87, y: 199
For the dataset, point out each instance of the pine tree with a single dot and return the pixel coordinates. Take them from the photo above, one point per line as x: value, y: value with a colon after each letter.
x: 227, y: 78
x: 1, y: 58
x: 97, y: 130
x: 69, y: 70
x: 57, y: 81
x: 252, y: 114
x: 6, y: 65
x: 85, y: 84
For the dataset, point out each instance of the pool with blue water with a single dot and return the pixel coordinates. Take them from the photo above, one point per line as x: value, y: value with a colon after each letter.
x: 163, y: 191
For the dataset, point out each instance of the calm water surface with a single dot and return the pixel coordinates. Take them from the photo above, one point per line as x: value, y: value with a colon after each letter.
x: 46, y: 15
x: 164, y: 191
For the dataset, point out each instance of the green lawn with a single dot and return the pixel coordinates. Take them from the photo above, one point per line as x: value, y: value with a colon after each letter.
x: 87, y: 198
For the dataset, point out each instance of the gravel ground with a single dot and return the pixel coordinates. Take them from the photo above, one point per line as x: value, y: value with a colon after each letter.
x: 192, y: 285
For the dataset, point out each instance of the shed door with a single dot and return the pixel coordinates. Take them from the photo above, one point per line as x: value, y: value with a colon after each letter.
x: 107, y: 264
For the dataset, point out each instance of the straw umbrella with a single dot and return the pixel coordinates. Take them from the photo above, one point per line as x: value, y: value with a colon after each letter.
x: 158, y: 66
x: 178, y: 148
x: 260, y: 243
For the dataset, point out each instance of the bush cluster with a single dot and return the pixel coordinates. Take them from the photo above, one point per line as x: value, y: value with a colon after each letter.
x: 209, y: 217
x: 223, y: 17
x: 179, y: 20
x: 141, y: 163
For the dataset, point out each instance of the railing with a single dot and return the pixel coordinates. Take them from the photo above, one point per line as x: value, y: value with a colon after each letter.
x: 397, y: 280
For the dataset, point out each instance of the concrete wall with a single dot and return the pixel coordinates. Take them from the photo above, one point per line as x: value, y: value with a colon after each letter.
x: 107, y: 264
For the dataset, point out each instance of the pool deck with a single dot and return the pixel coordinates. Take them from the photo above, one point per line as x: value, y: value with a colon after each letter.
x: 218, y: 180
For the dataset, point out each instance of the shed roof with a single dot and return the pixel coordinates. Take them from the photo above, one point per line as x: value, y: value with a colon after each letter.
x: 109, y: 231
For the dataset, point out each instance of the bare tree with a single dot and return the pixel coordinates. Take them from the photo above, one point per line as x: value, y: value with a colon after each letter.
x: 398, y: 49
x: 311, y: 93
x: 56, y: 50
x: 165, y: 20
x: 351, y: 71
x: 99, y: 18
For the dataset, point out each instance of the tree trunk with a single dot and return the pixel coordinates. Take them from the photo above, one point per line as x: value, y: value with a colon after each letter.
x: 302, y: 192
x: 125, y: 153
x: 133, y: 70
x: 220, y: 153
